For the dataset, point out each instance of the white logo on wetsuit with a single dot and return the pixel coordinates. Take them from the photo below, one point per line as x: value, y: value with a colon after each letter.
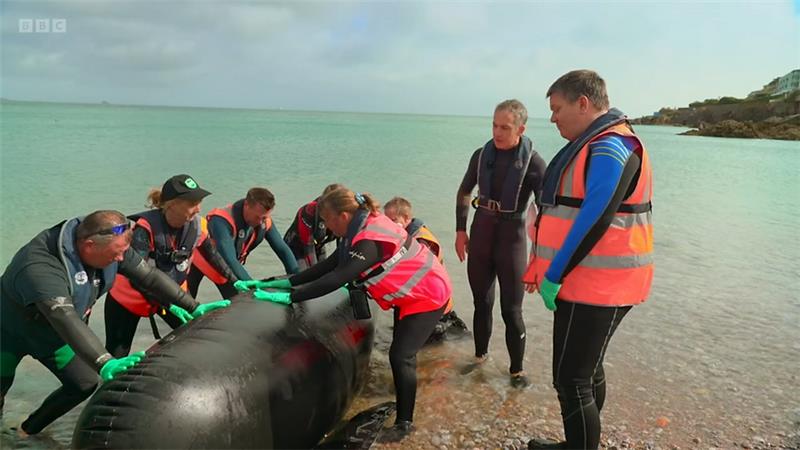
x: 241, y: 234
x: 183, y: 266
x: 355, y: 254
x: 81, y: 277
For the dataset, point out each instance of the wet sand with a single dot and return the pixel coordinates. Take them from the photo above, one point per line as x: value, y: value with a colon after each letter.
x: 651, y: 402
x: 667, y: 389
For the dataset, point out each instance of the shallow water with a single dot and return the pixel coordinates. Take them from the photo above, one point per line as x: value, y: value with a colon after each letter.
x: 710, y: 360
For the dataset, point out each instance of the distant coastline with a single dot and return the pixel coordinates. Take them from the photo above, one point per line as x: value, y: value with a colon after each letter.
x: 772, y: 112
x: 8, y: 101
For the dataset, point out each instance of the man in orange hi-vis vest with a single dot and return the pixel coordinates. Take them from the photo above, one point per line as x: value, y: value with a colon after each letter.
x: 593, y: 245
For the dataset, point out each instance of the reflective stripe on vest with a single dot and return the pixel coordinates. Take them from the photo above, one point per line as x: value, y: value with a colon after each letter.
x: 619, y: 269
x: 192, y: 235
x: 413, y: 280
x: 425, y: 237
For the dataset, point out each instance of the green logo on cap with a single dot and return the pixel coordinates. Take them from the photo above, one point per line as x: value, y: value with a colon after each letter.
x: 190, y: 183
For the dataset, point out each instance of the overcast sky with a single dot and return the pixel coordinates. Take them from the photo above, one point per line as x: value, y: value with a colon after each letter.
x: 408, y: 57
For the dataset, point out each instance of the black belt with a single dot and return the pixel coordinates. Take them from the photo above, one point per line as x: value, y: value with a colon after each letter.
x: 500, y: 215
x: 623, y: 208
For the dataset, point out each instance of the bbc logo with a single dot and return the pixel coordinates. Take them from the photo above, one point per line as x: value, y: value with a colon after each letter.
x: 42, y: 25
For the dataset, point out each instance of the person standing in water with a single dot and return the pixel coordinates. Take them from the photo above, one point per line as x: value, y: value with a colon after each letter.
x: 593, y: 256
x: 507, y: 171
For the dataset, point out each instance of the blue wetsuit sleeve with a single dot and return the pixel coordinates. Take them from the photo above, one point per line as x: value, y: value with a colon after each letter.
x: 607, y: 159
x: 281, y: 248
x: 222, y: 233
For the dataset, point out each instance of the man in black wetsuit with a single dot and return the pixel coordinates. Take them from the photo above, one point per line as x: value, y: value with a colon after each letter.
x: 507, y: 171
x: 47, y: 293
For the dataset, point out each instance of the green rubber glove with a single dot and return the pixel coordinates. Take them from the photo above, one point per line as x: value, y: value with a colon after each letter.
x: 282, y: 283
x: 208, y: 307
x: 180, y: 313
x: 246, y: 285
x: 275, y: 297
x: 549, y: 290
x: 117, y: 366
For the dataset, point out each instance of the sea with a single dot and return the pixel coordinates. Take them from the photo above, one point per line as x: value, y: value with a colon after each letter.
x: 710, y: 360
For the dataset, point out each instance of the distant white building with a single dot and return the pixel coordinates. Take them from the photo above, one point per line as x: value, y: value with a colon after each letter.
x: 788, y: 82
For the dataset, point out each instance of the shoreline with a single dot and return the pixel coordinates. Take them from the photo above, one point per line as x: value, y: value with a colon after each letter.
x: 689, y: 405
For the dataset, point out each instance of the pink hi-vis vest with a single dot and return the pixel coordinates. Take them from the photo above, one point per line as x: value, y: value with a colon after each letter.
x: 618, y: 271
x: 413, y: 280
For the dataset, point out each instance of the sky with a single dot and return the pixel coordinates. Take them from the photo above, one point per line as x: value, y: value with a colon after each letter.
x: 420, y: 57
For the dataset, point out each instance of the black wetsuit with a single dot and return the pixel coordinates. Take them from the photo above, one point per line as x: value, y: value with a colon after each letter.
x: 120, y: 323
x: 498, y: 249
x: 409, y: 334
x: 307, y: 236
x: 37, y: 318
x: 582, y: 332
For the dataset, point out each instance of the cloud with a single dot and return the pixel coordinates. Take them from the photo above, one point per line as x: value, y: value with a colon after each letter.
x: 444, y: 57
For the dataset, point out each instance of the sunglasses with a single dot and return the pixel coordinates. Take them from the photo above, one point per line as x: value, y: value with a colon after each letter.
x: 116, y: 230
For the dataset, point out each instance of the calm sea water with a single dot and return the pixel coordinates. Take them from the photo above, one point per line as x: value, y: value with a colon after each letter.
x: 717, y: 345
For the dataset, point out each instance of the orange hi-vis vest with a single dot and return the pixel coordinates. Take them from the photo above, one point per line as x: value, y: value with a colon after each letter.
x: 243, y: 243
x: 194, y: 233
x: 618, y: 271
x: 412, y: 280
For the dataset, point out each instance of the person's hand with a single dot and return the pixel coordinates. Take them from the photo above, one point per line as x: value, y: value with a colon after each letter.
x: 530, y: 288
x: 180, y: 313
x: 281, y: 283
x: 116, y: 366
x: 244, y: 286
x: 462, y: 243
x: 208, y: 307
x: 549, y: 290
x: 275, y: 297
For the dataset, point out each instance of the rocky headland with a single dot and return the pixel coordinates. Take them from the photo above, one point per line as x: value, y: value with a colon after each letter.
x: 759, y: 117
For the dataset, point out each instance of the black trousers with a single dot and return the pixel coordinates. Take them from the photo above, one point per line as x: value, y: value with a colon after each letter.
x: 121, y: 326
x: 581, y: 334
x: 78, y: 379
x: 408, y: 336
x: 498, y: 250
x: 196, y: 276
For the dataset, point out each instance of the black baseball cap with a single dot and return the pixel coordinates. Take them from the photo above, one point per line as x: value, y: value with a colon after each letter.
x: 183, y: 187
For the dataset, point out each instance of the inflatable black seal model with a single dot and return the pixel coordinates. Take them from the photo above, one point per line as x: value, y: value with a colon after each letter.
x: 254, y: 375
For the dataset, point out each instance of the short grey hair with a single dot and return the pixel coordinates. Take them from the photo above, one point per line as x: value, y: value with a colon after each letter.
x: 515, y: 107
